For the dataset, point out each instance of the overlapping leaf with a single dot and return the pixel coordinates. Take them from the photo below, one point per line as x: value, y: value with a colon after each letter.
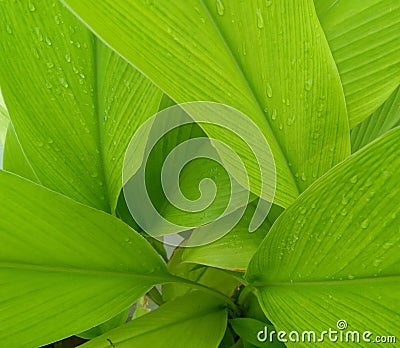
x: 364, y: 36
x: 64, y: 267
x: 337, y: 258
x: 269, y: 60
x: 74, y: 104
x: 380, y: 122
x: 235, y: 249
x: 194, y: 320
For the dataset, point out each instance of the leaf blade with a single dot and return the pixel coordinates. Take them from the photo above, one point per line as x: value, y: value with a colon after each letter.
x: 359, y: 230
x: 364, y: 38
x: 194, y: 320
x: 62, y: 272
x: 70, y: 82
x: 211, y: 70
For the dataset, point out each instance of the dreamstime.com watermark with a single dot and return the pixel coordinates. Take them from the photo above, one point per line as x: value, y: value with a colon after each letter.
x: 340, y: 335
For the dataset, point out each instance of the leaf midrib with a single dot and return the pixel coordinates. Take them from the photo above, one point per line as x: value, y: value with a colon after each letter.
x: 361, y: 280
x: 251, y: 91
x: 97, y: 108
x: 92, y: 272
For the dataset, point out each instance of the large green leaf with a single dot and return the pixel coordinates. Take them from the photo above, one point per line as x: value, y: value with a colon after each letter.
x: 380, y: 122
x: 268, y: 59
x: 74, y: 104
x: 337, y: 258
x: 64, y: 267
x: 195, y: 320
x: 364, y: 36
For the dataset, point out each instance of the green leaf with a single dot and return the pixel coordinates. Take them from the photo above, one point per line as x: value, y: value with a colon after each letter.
x: 61, y: 270
x: 211, y: 277
x: 337, y: 258
x: 14, y: 158
x: 81, y: 102
x: 4, y: 120
x: 277, y: 69
x: 248, y: 330
x: 235, y: 249
x: 364, y: 36
x: 195, y: 320
x: 380, y: 122
x: 110, y: 324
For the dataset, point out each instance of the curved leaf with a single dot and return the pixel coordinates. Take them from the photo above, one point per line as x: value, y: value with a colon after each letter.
x: 275, y: 68
x: 211, y: 277
x: 64, y: 267
x: 81, y: 102
x: 4, y: 120
x: 364, y: 36
x: 235, y: 249
x: 14, y: 158
x: 337, y: 259
x: 194, y: 320
x: 380, y: 122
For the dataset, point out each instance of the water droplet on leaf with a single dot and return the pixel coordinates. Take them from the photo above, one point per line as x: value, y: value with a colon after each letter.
x: 260, y: 20
x: 354, y: 179
x: 308, y: 84
x: 268, y: 90
x: 31, y: 6
x: 220, y: 8
x: 365, y: 224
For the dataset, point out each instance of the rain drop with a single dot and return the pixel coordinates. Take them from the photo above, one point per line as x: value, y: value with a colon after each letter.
x: 63, y: 82
x: 377, y: 262
x: 274, y: 114
x: 36, y: 53
x: 50, y: 65
x: 67, y: 58
x: 9, y: 29
x: 220, y: 7
x: 31, y: 6
x: 365, y: 224
x: 48, y: 41
x: 308, y: 84
x: 354, y: 179
x: 268, y: 89
x: 290, y: 121
x: 387, y: 245
x: 268, y: 3
x: 260, y: 20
